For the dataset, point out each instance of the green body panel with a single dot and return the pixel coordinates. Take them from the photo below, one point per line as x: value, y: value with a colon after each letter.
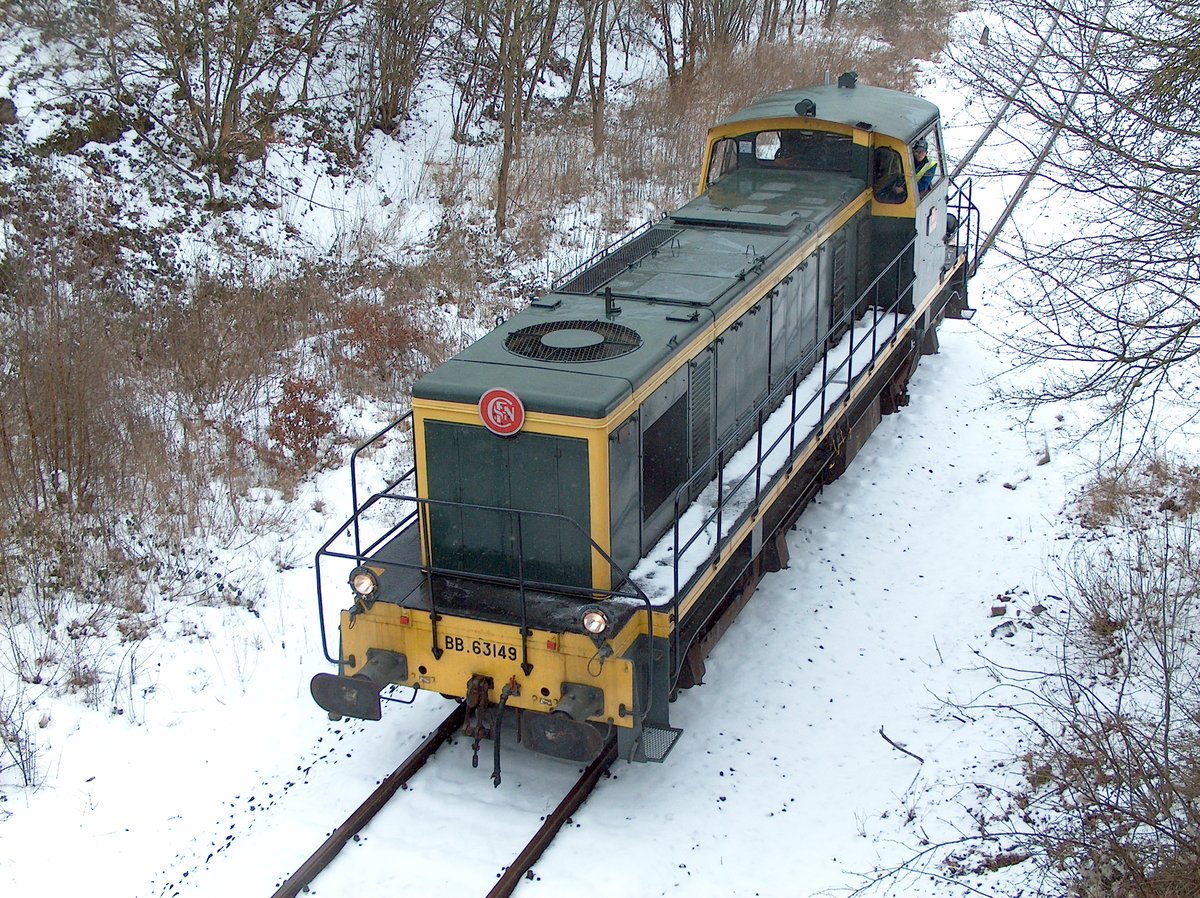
x: 624, y: 449
x: 889, y: 237
x: 529, y: 472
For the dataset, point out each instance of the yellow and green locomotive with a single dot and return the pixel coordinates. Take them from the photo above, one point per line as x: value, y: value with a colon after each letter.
x: 600, y: 481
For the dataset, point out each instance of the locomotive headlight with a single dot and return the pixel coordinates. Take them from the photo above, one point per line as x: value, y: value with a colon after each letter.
x: 364, y: 582
x: 595, y: 621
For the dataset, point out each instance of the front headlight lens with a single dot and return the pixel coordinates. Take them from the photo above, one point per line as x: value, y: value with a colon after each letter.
x: 595, y: 621
x: 364, y: 582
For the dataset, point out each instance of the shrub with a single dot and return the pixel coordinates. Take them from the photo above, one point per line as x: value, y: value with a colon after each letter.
x: 380, y: 341
x: 301, y: 423
x: 18, y: 748
x: 1112, y: 799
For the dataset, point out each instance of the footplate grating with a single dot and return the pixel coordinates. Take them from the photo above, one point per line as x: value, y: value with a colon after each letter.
x: 658, y: 741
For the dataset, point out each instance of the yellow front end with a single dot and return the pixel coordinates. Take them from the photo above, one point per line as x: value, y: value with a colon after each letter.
x: 467, y: 648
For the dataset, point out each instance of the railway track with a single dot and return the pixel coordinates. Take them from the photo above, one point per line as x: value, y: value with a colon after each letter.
x: 512, y: 873
x: 324, y: 856
x: 554, y: 821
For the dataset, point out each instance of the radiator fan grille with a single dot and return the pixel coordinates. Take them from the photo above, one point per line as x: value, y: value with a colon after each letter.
x: 573, y: 341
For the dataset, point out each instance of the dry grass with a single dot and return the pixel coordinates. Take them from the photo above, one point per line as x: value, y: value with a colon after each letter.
x: 914, y: 29
x: 1134, y: 497
x: 653, y: 143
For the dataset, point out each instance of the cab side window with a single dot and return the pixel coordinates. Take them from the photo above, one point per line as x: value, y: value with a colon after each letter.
x: 724, y: 160
x: 766, y: 146
x: 926, y: 155
x: 890, y: 185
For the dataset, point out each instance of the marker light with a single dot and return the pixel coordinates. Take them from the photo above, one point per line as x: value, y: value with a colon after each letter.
x: 595, y: 621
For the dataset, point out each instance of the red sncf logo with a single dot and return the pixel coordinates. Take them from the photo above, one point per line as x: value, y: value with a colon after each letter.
x: 501, y: 411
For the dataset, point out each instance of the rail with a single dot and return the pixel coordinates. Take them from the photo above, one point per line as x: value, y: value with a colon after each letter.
x: 984, y: 242
x: 512, y: 875
x: 324, y: 856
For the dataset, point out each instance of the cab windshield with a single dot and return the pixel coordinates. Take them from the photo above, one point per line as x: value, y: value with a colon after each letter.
x: 796, y: 149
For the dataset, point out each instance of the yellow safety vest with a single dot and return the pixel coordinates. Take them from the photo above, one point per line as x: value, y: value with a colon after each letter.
x: 926, y: 169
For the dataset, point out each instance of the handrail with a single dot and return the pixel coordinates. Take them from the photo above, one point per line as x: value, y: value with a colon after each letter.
x: 778, y: 394
x: 358, y: 450
x: 600, y: 255
x: 761, y: 412
x: 961, y: 200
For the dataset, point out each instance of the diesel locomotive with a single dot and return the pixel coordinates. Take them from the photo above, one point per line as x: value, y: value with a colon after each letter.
x: 600, y: 481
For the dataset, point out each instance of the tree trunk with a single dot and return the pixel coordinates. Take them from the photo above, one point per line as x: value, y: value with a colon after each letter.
x: 510, y: 91
x: 583, y: 55
x: 598, y: 85
x: 549, y: 30
x: 830, y: 11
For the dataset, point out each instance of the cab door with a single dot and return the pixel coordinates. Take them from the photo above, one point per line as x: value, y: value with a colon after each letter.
x: 931, y: 216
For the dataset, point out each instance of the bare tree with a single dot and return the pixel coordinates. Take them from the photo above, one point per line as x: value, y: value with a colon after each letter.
x: 1107, y: 803
x: 471, y: 66
x: 1113, y: 799
x: 503, y: 46
x: 609, y: 16
x: 684, y: 32
x: 211, y: 76
x: 398, y: 42
x: 515, y: 33
x: 1116, y: 311
x: 597, y: 24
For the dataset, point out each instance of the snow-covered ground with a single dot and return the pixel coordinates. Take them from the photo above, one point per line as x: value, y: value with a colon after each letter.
x: 781, y: 785
x: 219, y: 774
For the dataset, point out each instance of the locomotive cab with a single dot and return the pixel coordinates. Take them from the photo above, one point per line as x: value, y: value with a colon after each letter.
x: 868, y: 133
x: 599, y: 482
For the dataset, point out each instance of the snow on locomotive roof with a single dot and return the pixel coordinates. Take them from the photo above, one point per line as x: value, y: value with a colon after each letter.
x: 889, y: 112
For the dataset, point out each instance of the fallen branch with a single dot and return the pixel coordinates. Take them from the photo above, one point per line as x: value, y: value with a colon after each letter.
x: 899, y: 747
